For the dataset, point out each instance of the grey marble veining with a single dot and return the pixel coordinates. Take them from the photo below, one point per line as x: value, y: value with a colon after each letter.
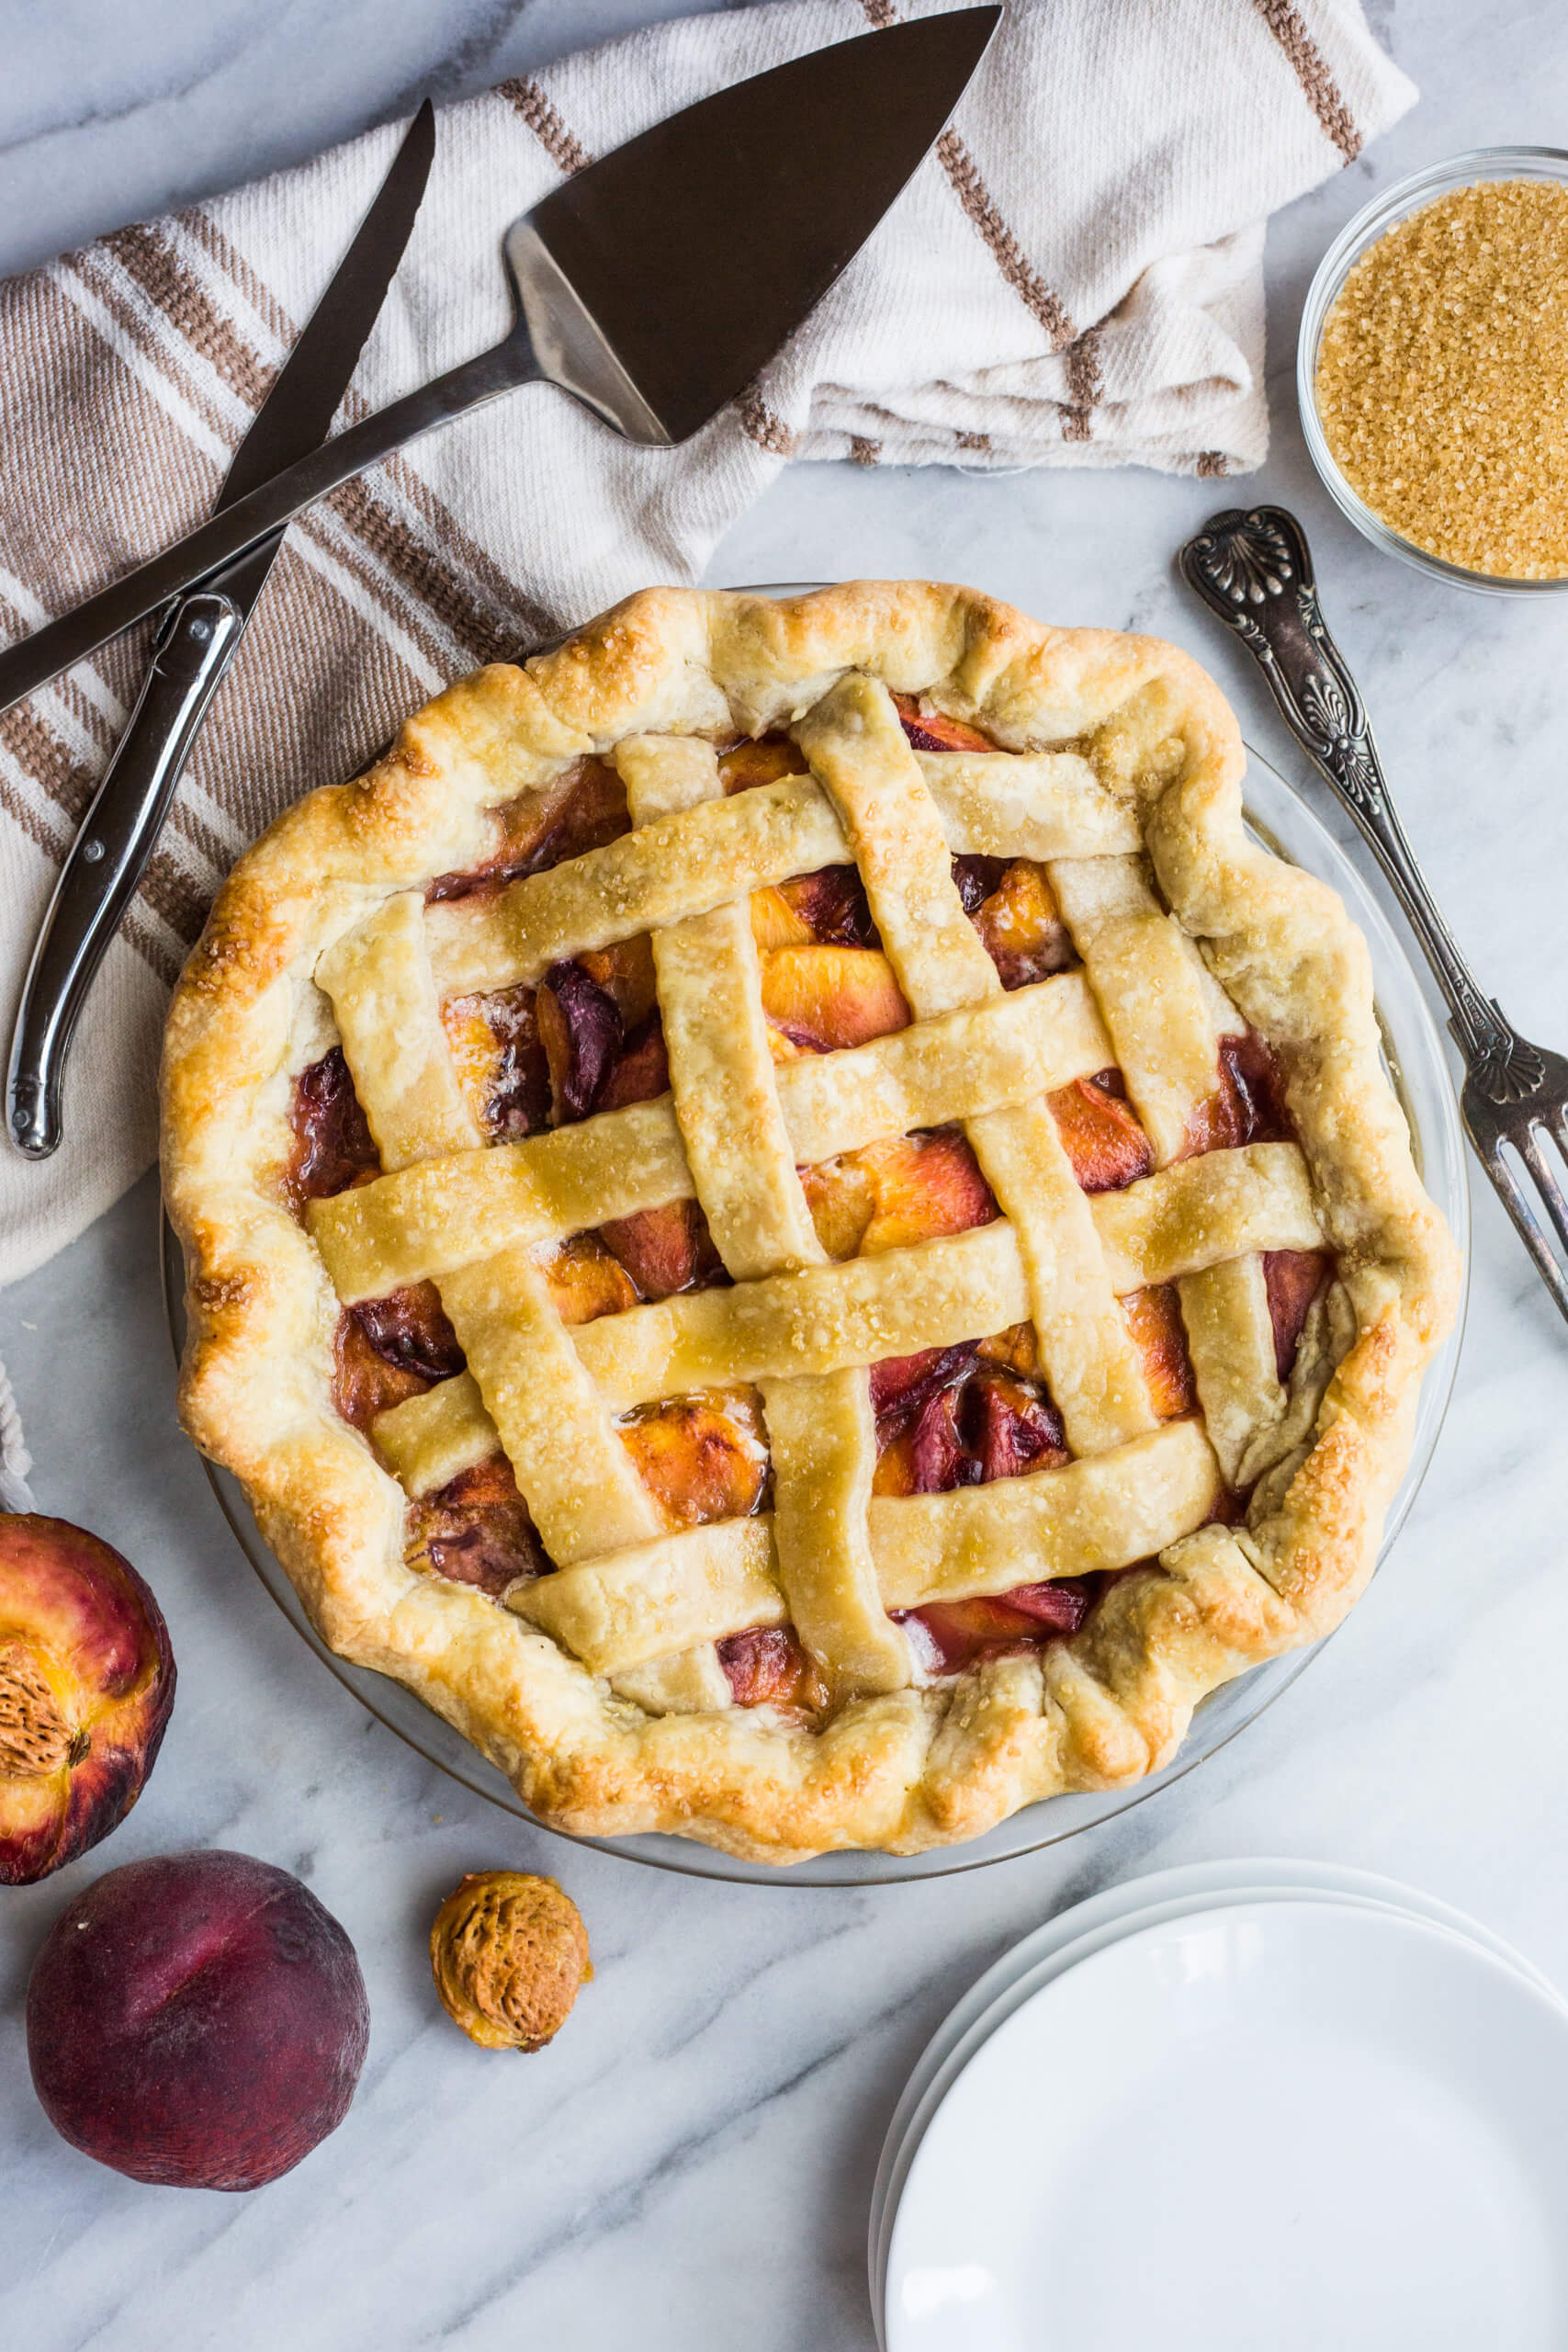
x: 691, y: 2163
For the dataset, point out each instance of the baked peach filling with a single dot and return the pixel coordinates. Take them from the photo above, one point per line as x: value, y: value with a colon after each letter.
x: 589, y: 1039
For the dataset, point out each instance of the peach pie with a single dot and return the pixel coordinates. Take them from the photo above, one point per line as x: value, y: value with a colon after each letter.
x: 788, y: 1220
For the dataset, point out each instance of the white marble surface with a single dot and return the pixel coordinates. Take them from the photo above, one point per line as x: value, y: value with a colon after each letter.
x: 691, y: 2163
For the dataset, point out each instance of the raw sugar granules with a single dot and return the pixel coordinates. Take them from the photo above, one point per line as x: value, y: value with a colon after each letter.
x: 1442, y: 378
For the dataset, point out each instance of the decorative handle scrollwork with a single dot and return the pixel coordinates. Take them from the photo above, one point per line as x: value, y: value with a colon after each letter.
x: 1253, y: 568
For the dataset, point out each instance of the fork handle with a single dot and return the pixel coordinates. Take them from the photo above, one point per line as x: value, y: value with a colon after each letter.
x: 1254, y: 569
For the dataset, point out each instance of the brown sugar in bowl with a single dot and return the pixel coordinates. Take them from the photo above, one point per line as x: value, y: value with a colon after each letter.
x: 1432, y: 370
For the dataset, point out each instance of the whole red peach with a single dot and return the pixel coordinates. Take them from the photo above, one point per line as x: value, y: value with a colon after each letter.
x: 86, y: 1683
x: 197, y: 2019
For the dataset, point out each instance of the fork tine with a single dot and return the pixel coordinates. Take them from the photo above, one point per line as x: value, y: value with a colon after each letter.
x: 1512, y: 1195
x: 1545, y: 1178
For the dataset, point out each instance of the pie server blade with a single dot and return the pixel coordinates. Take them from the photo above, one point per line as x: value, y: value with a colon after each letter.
x: 651, y: 286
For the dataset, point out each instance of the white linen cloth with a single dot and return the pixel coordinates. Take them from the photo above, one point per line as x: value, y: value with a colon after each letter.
x: 1073, y: 278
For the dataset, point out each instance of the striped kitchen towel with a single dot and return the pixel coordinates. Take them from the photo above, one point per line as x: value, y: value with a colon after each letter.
x: 1074, y: 276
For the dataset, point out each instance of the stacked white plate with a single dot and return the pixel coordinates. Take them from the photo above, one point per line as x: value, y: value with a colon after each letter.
x: 1241, y: 2104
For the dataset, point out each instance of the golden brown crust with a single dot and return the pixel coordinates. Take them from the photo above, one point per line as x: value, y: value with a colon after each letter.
x: 905, y: 1768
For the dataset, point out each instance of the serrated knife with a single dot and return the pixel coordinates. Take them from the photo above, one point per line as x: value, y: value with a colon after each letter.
x: 199, y: 637
x: 651, y: 286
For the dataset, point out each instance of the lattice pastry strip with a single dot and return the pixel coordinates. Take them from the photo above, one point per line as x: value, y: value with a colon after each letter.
x: 1197, y: 1213
x: 577, y: 1478
x: 694, y: 860
x: 412, y: 1227
x: 1230, y: 1338
x: 1103, y: 1512
x: 822, y: 1438
x: 1164, y: 1009
x: 856, y: 745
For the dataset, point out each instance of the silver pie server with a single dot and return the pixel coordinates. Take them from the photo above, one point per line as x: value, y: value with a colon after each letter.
x: 1254, y: 569
x: 199, y: 637
x: 651, y: 286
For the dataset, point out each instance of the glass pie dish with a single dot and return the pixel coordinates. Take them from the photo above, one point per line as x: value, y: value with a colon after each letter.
x: 1416, y: 1064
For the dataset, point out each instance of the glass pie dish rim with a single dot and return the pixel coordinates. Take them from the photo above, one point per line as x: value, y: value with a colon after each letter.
x: 1280, y: 816
x: 1356, y: 239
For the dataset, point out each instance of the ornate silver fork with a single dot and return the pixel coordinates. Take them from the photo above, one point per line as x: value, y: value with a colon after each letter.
x: 1255, y: 571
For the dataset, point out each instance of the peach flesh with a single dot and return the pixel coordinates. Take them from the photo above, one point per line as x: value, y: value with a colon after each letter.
x: 86, y: 1685
x: 197, y: 2021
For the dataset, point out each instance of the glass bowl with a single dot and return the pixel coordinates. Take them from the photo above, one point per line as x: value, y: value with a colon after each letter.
x: 1415, y: 1056
x: 1357, y: 238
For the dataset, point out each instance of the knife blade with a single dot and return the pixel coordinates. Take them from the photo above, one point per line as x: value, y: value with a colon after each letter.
x: 716, y: 174
x: 199, y: 639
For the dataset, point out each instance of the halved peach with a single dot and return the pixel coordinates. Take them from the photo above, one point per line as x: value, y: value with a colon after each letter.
x: 828, y: 997
x: 585, y: 1280
x: 665, y: 1250
x: 1154, y: 1318
x: 1020, y: 926
x: 933, y: 730
x: 1102, y: 1137
x: 86, y: 1684
x: 768, y: 1667
x: 475, y: 1530
x: 705, y: 1456
x: 746, y: 765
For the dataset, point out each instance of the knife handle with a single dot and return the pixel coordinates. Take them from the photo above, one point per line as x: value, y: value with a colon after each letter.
x: 107, y: 860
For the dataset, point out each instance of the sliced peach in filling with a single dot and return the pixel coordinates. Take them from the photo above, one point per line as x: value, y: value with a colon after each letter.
x: 766, y: 1666
x: 586, y: 1280
x: 911, y: 1188
x: 704, y: 1456
x: 1102, y: 1137
x: 763, y: 761
x: 932, y: 730
x: 829, y: 998
x: 475, y: 1530
x: 499, y: 1061
x: 1294, y: 1278
x: 1248, y: 1102
x: 333, y: 1147
x: 833, y: 906
x: 666, y: 1249
x: 948, y: 1636
x: 1154, y: 1318
x: 774, y: 922
x: 1020, y: 926
x: 625, y: 972
x: 387, y: 1349
x: 585, y: 808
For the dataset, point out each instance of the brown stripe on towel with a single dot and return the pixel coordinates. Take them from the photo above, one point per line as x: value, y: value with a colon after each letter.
x: 566, y: 153
x: 760, y: 425
x: 1006, y: 252
x: 1312, y: 72
x: 1211, y: 462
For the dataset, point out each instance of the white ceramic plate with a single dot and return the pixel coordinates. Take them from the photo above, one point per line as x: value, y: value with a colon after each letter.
x: 1312, y: 2125
x: 1088, y: 1926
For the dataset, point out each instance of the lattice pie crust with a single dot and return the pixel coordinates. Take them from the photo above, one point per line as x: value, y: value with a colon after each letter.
x: 596, y: 1687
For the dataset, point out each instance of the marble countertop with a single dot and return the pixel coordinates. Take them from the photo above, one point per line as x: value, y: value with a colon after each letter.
x: 691, y: 2162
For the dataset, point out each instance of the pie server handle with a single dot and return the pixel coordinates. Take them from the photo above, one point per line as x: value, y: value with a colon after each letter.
x: 110, y: 851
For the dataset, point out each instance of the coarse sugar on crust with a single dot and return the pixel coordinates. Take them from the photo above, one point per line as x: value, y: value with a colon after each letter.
x: 1115, y: 739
